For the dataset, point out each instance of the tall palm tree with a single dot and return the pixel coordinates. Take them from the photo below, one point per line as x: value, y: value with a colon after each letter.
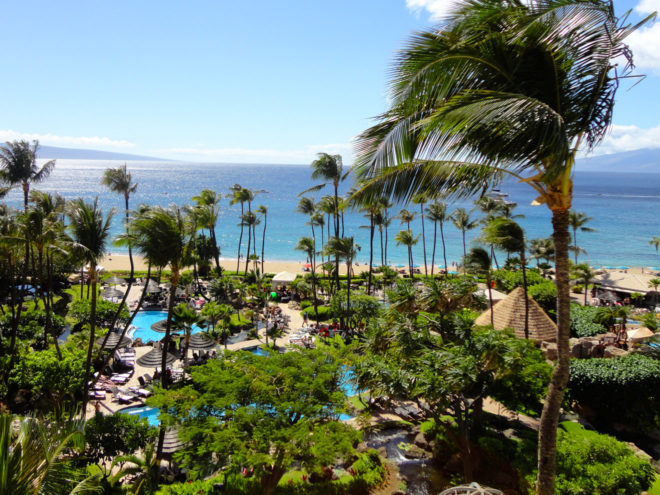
x: 490, y: 207
x: 240, y: 195
x: 478, y: 261
x: 249, y: 219
x: 507, y: 235
x: 263, y: 211
x: 577, y: 221
x: 18, y: 166
x: 208, y: 202
x: 90, y: 232
x: 421, y: 199
x: 542, y: 249
x: 406, y: 238
x: 406, y: 217
x: 346, y: 249
x: 184, y: 318
x: 119, y: 180
x: 655, y: 242
x: 462, y: 221
x: 308, y: 246
x: 585, y: 274
x: 307, y: 207
x: 513, y: 89
x: 437, y: 213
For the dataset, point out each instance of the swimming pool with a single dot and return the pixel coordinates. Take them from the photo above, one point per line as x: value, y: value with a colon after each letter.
x: 150, y: 413
x: 143, y: 321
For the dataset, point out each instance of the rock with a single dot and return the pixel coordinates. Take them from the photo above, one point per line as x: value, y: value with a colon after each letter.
x: 549, y: 350
x: 421, y: 441
x: 611, y: 351
x: 414, y: 452
x: 362, y: 448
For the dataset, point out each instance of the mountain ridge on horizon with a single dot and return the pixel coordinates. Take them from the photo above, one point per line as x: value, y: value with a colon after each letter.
x: 644, y: 160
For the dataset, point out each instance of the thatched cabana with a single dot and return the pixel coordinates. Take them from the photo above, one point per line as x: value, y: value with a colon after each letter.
x: 510, y: 313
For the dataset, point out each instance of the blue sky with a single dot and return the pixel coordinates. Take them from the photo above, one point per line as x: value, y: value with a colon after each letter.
x: 217, y: 81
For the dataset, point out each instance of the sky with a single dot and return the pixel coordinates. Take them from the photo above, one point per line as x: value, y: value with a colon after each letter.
x: 241, y: 82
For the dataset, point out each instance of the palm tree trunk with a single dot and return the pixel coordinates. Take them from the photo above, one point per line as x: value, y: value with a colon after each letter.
x: 410, y: 261
x: 130, y: 250
x: 524, y: 276
x: 575, y: 246
x: 371, y: 251
x: 421, y: 209
x: 547, y: 445
x: 247, y: 254
x: 444, y: 247
x: 240, y: 241
x: 435, y: 242
x: 92, y: 330
x: 263, y: 242
x: 382, y: 254
x: 490, y: 299
x: 464, y: 246
x: 216, y: 253
x: 348, y: 295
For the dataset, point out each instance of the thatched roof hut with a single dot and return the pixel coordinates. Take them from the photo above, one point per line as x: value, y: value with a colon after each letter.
x: 510, y: 313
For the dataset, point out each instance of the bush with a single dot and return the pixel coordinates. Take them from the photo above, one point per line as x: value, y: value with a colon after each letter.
x: 593, y: 463
x: 306, y: 304
x: 237, y: 322
x: 583, y: 322
x: 577, y: 289
x: 624, y: 389
x: 325, y: 313
x: 507, y: 280
x: 545, y: 293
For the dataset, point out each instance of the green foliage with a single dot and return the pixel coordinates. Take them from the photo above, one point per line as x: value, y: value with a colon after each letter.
x: 507, y: 280
x: 578, y: 289
x: 31, y: 324
x: 624, y: 389
x: 325, y: 313
x: 363, y: 307
x: 545, y: 293
x: 105, y: 311
x: 260, y: 411
x: 108, y: 436
x: 592, y: 463
x: 305, y: 304
x: 583, y: 322
x: 238, y: 322
x: 49, y: 379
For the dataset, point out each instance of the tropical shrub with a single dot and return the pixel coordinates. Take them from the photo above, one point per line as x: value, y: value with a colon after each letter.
x: 624, y: 389
x: 545, y: 293
x: 363, y: 307
x: 305, y: 304
x: 583, y: 322
x: 80, y: 311
x: 507, y: 280
x: 325, y: 313
x: 578, y: 289
x: 107, y: 436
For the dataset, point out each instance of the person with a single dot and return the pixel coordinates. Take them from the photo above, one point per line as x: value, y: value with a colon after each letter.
x: 305, y: 318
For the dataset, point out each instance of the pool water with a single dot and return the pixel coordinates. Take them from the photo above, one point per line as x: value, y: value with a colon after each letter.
x: 143, y: 321
x: 150, y: 413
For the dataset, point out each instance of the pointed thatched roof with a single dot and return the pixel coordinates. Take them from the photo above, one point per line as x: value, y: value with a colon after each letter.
x: 510, y: 313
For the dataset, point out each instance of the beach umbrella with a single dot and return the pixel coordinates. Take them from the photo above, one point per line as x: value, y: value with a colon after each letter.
x: 307, y: 265
x: 621, y: 267
x: 610, y: 268
x: 112, y: 341
x: 453, y: 272
x: 154, y: 359
x: 160, y: 326
x: 201, y: 341
x: 400, y: 266
x: 111, y: 293
x: 415, y: 266
x: 152, y: 287
x: 654, y: 268
x: 114, y: 280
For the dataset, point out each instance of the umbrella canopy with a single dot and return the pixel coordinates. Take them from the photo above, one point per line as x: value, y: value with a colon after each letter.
x: 154, y: 359
x: 110, y: 293
x: 609, y: 296
x: 112, y: 341
x: 201, y: 341
x: 640, y: 334
x: 622, y: 267
x: 114, y: 280
x: 399, y: 266
x: 153, y: 287
x: 654, y: 268
x: 161, y: 325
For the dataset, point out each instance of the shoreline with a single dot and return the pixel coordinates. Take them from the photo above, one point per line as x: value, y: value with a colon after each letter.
x: 120, y: 261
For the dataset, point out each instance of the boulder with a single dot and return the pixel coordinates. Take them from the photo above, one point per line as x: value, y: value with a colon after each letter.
x: 421, y: 441
x: 549, y: 350
x: 611, y: 351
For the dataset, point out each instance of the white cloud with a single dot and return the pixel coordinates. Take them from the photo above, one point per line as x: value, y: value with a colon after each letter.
x: 628, y: 138
x: 647, y: 6
x: 437, y: 8
x: 53, y: 140
x: 645, y: 45
x: 246, y: 155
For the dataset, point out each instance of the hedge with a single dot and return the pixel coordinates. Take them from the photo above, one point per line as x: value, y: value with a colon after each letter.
x: 582, y: 321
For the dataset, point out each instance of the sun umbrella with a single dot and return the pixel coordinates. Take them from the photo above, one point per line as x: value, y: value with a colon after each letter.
x: 654, y: 269
x: 453, y: 272
x: 114, y: 280
x: 307, y: 265
x: 112, y: 341
x: 610, y: 268
x: 161, y: 325
x: 152, y: 287
x: 110, y: 293
x: 201, y: 341
x: 621, y: 267
x: 400, y: 266
x: 415, y: 266
x: 154, y: 359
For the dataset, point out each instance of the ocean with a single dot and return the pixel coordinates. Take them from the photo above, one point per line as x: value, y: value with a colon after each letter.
x: 624, y: 208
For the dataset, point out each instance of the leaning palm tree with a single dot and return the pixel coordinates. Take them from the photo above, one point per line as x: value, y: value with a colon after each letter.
x: 263, y: 211
x: 33, y: 458
x: 655, y: 242
x: 437, y: 213
x: 346, y: 249
x: 18, y: 166
x: 503, y: 89
x: 308, y: 246
x: 90, y: 232
x: 405, y: 238
x: 208, y: 202
x: 406, y: 217
x: 249, y: 219
x: 478, y: 261
x: 421, y: 199
x: 584, y: 274
x: 462, y: 221
x: 577, y: 221
x: 240, y: 195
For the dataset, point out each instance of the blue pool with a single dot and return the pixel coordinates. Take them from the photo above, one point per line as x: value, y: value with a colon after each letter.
x: 151, y: 413
x: 143, y: 321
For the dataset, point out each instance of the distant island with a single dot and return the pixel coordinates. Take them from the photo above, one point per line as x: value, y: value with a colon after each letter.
x: 54, y: 152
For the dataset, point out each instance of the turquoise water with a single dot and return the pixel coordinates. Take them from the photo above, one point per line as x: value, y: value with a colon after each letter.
x: 623, y: 206
x: 143, y: 321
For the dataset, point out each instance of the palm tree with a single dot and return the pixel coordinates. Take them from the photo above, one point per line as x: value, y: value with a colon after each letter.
x: 144, y: 471
x: 34, y: 459
x: 509, y: 236
x: 308, y: 246
x: 263, y: 211
x: 421, y: 199
x: 490, y: 207
x: 513, y: 89
x: 90, y: 232
x: 307, y: 207
x: 655, y: 242
x: 437, y: 213
x: 249, y: 219
x: 346, y: 249
x: 18, y: 166
x: 406, y: 217
x: 208, y: 203
x: 406, y: 238
x: 654, y: 283
x: 577, y: 221
x: 480, y: 263
x: 240, y: 195
x: 461, y: 219
x: 184, y: 318
x: 585, y: 274
x: 542, y: 249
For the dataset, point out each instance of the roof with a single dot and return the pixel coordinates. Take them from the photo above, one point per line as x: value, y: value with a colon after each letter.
x: 284, y: 277
x: 482, y: 290
x: 510, y: 313
x: 624, y: 282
